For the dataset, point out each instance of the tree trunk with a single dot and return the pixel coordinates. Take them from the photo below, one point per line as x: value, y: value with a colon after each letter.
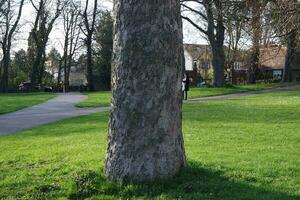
x: 218, y: 63
x: 42, y: 69
x: 59, y: 74
x: 291, y: 48
x: 216, y: 35
x: 5, y: 63
x: 89, y: 63
x: 36, y: 66
x: 256, y: 36
x: 145, y: 136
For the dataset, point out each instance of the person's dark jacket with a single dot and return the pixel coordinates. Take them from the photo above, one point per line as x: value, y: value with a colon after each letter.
x: 187, y: 84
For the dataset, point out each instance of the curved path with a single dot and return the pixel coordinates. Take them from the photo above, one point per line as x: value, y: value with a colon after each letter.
x: 53, y: 110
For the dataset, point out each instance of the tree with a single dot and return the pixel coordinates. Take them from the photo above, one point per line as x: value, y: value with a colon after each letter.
x: 235, y: 34
x: 2, y: 9
x: 19, y: 68
x: 89, y: 20
x: 55, y: 60
x: 286, y: 23
x: 256, y: 8
x: 145, y: 136
x: 8, y: 28
x: 211, y: 13
x: 39, y: 34
x: 71, y: 38
x: 104, y: 41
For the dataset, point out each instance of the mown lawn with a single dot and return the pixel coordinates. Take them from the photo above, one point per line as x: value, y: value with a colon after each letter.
x: 101, y: 99
x: 96, y: 99
x: 244, y: 148
x: 15, y: 101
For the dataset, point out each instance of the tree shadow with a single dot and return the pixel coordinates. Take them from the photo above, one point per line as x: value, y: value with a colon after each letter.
x: 193, y: 182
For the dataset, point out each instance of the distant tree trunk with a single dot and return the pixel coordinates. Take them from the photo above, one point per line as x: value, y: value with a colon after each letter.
x: 89, y: 62
x: 42, y: 69
x: 66, y: 78
x: 291, y: 48
x: 5, y: 65
x: 59, y: 73
x: 218, y: 62
x: 216, y: 39
x: 256, y: 7
x: 145, y: 136
x: 36, y: 66
x: 89, y: 25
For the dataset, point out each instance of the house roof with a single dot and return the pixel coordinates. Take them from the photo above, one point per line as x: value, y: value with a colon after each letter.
x: 273, y: 57
x: 197, y: 50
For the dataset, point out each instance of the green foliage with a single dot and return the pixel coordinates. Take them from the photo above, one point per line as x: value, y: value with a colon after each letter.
x: 12, y: 102
x: 19, y: 70
x: 243, y: 148
x: 104, y: 40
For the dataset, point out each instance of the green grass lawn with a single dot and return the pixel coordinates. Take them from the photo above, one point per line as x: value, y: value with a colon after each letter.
x: 210, y: 91
x: 101, y: 99
x: 244, y: 148
x: 96, y: 99
x: 16, y: 101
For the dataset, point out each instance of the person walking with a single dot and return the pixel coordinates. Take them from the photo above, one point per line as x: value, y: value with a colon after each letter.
x: 185, y: 86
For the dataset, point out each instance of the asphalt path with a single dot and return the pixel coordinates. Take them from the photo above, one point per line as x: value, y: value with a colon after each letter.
x: 61, y: 107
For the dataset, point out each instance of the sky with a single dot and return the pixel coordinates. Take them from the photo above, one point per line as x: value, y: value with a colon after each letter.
x: 191, y: 35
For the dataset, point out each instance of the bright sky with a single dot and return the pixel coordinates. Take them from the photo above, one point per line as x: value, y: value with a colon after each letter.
x: 191, y: 35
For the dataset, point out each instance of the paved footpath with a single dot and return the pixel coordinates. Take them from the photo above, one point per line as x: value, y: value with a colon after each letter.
x: 62, y: 107
x: 53, y: 110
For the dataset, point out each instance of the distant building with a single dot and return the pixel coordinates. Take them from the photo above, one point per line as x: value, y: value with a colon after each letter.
x: 198, y: 62
x: 77, y: 77
x: 272, y: 62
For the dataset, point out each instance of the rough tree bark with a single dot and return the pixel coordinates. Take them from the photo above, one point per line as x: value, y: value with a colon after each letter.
x: 145, y: 136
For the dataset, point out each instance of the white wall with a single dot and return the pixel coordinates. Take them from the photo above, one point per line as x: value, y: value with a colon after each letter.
x: 188, y: 61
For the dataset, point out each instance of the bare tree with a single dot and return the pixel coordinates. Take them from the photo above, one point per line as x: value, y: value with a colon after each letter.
x: 71, y: 38
x: 235, y: 36
x: 89, y: 20
x: 287, y: 27
x: 256, y: 8
x: 145, y: 137
x: 8, y: 29
x: 210, y: 13
x: 2, y: 2
x: 39, y: 34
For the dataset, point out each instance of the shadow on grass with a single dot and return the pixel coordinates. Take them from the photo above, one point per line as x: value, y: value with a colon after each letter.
x: 194, y: 182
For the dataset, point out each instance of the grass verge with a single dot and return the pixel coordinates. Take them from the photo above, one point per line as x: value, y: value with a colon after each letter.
x: 11, y: 102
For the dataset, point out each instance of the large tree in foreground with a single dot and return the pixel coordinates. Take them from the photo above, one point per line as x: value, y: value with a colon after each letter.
x: 145, y: 135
